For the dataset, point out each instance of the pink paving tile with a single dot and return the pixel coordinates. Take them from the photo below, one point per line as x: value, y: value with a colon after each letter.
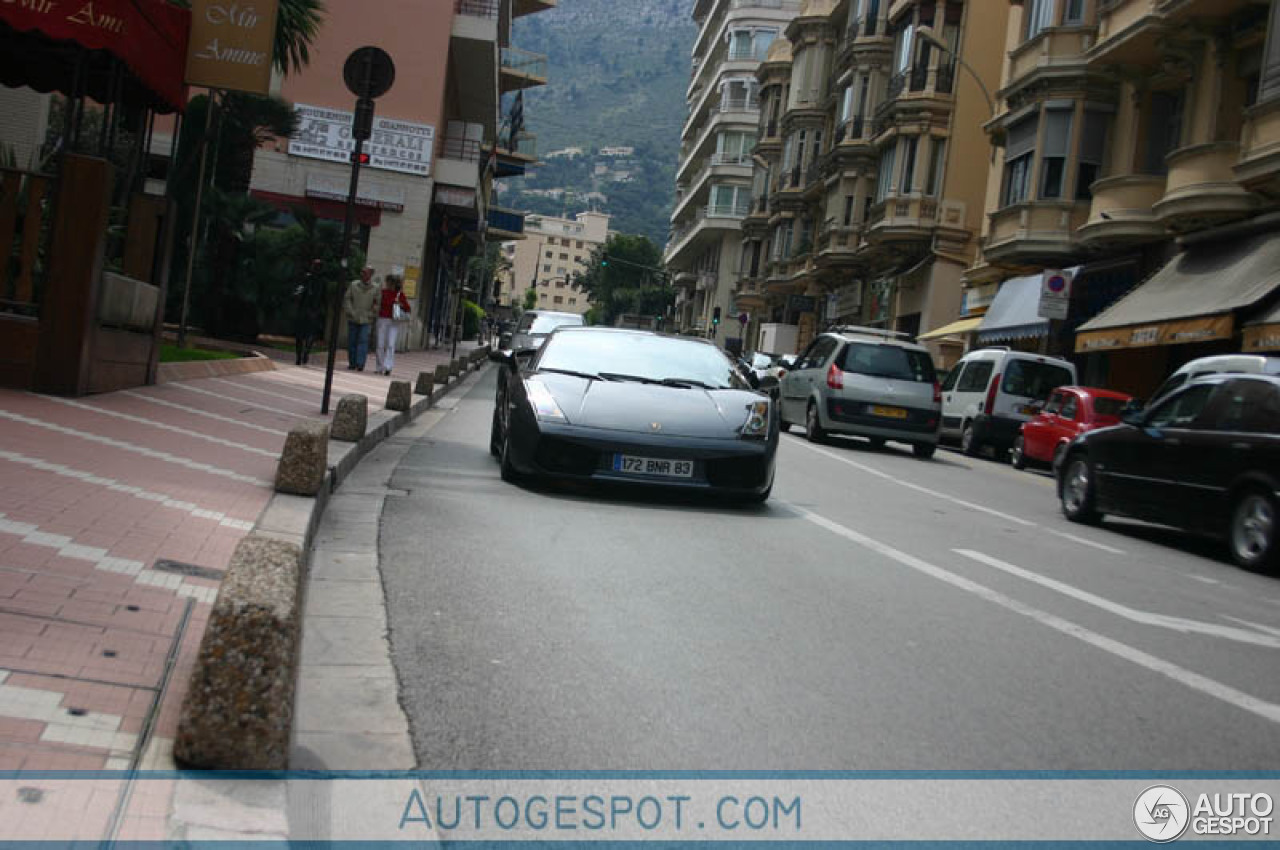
x: 13, y: 729
x: 14, y: 624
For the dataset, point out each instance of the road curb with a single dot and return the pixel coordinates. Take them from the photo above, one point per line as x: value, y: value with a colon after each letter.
x: 295, y: 519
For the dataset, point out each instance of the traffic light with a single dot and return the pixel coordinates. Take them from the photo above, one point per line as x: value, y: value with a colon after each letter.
x: 715, y: 316
x: 604, y: 259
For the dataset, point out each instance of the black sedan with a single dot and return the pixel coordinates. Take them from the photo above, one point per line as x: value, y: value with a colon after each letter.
x: 1206, y: 458
x: 635, y: 407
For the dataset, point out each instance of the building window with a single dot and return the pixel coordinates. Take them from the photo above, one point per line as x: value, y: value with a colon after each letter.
x: 1019, y: 152
x: 887, y: 159
x: 902, y: 50
x: 937, y: 158
x: 1093, y: 142
x: 546, y: 267
x: 548, y: 255
x: 559, y: 299
x: 579, y: 245
x: 1039, y: 16
x: 1164, y: 129
x: 564, y: 256
x: 1074, y: 13
x: 542, y: 296
x: 561, y: 270
x: 1053, y: 163
x: 848, y: 210
x: 573, y: 302
x: 909, y: 167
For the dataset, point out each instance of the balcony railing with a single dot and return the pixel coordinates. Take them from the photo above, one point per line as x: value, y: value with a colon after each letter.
x: 524, y: 62
x: 771, y: 129
x: 897, y: 83
x: 469, y: 150
x: 760, y: 204
x: 478, y: 8
x: 790, y: 5
x: 740, y: 104
x: 852, y: 130
x: 730, y: 159
x: 725, y: 211
x: 793, y: 178
x: 507, y: 221
x: 945, y: 82
x: 919, y: 77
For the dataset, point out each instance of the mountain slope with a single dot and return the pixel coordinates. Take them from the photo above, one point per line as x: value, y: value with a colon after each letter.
x: 618, y: 72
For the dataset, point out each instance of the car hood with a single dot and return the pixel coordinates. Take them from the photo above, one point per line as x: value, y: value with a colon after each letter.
x: 633, y: 406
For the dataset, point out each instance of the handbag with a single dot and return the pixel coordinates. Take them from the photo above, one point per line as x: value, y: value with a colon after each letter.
x: 397, y: 312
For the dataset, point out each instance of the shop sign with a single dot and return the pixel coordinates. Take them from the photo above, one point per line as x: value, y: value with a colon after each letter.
x: 232, y: 45
x: 401, y: 146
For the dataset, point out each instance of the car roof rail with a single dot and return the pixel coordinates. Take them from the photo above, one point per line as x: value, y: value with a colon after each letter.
x: 992, y: 348
x: 858, y: 329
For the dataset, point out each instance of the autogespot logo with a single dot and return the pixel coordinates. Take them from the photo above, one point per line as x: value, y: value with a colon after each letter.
x: 1161, y: 813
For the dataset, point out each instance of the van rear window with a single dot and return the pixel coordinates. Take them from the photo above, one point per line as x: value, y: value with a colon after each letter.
x: 888, y: 361
x: 1027, y: 379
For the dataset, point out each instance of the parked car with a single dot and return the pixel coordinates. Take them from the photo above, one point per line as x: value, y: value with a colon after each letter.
x: 761, y: 362
x: 636, y: 407
x: 535, y: 325
x: 1246, y: 364
x: 866, y: 382
x: 782, y: 365
x: 991, y: 392
x: 1069, y: 412
x: 1206, y: 458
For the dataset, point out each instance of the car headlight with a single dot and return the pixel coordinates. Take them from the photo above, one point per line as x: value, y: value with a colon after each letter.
x: 757, y: 424
x: 544, y: 404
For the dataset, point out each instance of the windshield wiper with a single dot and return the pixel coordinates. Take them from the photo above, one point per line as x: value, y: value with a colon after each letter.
x: 618, y: 376
x: 588, y: 375
x: 687, y: 382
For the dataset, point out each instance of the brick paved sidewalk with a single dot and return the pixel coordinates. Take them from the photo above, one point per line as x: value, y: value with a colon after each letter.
x: 118, y: 515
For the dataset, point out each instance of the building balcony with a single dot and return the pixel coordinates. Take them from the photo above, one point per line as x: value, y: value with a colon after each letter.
x: 711, y: 219
x: 1120, y: 213
x: 1259, y: 166
x: 1036, y: 232
x: 506, y: 224
x: 1057, y: 53
x: 720, y: 165
x: 838, y: 245
x: 521, y: 69
x: 685, y: 279
x: 1129, y: 32
x: 1201, y: 190
x: 902, y: 218
x: 693, y: 152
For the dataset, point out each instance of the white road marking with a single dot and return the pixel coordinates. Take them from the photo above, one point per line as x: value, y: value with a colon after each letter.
x: 1202, y: 684
x: 136, y: 449
x: 1271, y: 630
x: 886, y: 476
x: 164, y: 426
x: 140, y: 572
x: 292, y: 414
x: 1146, y: 618
x: 1206, y: 579
x: 956, y: 501
x: 205, y: 413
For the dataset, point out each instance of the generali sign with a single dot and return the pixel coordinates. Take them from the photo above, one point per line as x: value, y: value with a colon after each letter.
x: 231, y: 45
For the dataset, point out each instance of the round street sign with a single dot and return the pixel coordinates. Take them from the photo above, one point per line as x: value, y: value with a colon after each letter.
x: 743, y: 318
x: 1056, y: 283
x: 369, y: 72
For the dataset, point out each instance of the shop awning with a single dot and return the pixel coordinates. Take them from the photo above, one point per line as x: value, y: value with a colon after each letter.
x: 1192, y: 299
x: 963, y: 326
x: 42, y: 44
x: 1015, y: 312
x: 1263, y: 333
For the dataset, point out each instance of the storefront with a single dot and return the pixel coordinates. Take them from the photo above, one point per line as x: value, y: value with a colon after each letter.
x: 1262, y: 335
x: 1014, y: 319
x: 1195, y: 306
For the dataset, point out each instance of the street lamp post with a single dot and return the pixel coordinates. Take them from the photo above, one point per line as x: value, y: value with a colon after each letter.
x: 927, y: 34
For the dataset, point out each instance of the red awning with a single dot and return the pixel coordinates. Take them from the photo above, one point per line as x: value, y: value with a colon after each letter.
x: 325, y: 209
x: 39, y: 41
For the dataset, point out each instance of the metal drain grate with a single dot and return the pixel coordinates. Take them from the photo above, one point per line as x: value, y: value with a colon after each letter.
x: 167, y: 566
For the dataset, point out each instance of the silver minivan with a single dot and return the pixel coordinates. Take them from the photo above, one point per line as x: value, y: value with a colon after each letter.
x: 866, y: 382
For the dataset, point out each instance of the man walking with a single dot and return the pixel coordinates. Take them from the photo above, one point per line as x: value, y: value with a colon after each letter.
x: 360, y: 308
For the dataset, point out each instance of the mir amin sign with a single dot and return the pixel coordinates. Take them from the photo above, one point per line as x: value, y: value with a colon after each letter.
x: 231, y: 45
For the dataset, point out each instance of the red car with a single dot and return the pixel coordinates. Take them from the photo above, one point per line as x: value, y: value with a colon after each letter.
x: 1068, y: 412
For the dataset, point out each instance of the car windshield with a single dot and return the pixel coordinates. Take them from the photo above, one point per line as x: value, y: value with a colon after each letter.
x: 889, y: 361
x: 642, y: 357
x: 1028, y: 379
x: 541, y: 323
x: 1108, y: 407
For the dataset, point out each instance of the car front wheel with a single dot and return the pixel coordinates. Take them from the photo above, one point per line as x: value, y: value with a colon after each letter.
x: 1255, y: 526
x: 1078, y: 491
x: 924, y: 451
x: 1018, y: 456
x: 509, y: 472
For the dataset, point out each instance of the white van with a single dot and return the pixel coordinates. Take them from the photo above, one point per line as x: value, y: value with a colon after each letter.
x: 1246, y: 364
x: 991, y: 392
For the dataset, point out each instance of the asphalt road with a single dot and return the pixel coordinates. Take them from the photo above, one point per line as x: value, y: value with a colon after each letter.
x: 879, y: 612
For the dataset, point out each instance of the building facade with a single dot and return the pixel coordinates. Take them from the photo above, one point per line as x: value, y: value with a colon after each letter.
x: 713, y: 177
x: 870, y: 168
x: 1140, y: 151
x: 440, y: 138
x: 552, y: 252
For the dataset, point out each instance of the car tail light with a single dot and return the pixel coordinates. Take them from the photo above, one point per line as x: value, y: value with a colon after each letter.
x: 991, y: 393
x: 782, y: 373
x: 937, y: 393
x: 835, y: 378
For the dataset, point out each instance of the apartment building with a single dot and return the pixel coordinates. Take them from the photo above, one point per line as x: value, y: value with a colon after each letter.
x: 870, y: 168
x: 713, y: 178
x: 552, y: 251
x: 423, y: 204
x: 1140, y: 150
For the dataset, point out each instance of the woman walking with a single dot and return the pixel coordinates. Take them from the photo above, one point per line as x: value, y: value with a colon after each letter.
x: 393, y: 308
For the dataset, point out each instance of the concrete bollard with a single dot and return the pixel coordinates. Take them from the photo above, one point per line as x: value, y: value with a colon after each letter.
x: 399, y: 396
x: 238, y: 712
x: 305, y: 459
x: 350, y: 419
x: 425, y: 384
x: 442, y: 374
x: 455, y: 367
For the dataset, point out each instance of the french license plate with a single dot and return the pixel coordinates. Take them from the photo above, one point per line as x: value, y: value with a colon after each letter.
x: 658, y: 466
x: 889, y: 412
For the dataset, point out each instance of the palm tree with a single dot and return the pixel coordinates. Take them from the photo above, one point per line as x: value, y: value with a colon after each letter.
x: 297, y: 24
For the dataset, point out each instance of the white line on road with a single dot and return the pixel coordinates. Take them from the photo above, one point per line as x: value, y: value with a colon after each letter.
x: 1146, y: 618
x: 1268, y: 629
x: 1083, y: 541
x: 1209, y: 687
x: 1206, y: 579
x: 870, y: 470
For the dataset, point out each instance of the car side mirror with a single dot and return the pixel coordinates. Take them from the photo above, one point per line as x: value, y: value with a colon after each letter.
x: 1136, y: 418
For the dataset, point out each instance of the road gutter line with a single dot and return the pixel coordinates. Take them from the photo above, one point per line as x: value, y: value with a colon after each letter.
x: 1202, y: 684
x: 1146, y: 618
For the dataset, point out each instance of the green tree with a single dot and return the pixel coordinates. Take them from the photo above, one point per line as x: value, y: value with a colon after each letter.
x: 530, y: 298
x: 625, y: 276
